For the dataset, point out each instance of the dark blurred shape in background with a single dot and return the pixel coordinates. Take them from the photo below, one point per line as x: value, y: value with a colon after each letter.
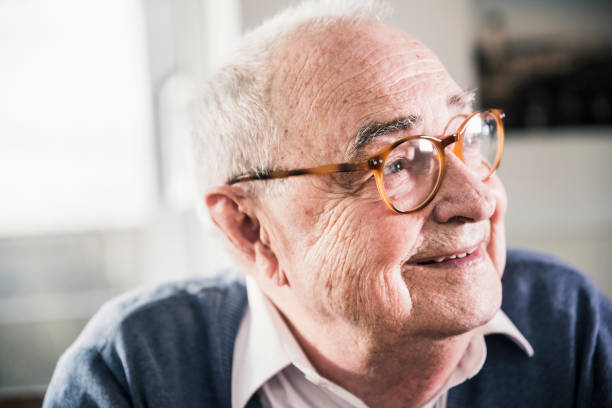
x: 546, y: 69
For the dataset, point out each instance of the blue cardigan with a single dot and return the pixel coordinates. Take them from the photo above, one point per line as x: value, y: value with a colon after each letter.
x: 172, y: 346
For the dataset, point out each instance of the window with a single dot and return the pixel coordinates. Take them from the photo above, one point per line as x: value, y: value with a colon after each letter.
x: 76, y: 146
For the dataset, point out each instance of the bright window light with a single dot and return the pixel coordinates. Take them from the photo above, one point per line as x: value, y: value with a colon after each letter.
x: 76, y: 142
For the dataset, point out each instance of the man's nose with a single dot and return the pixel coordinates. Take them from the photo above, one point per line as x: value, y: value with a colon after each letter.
x: 463, y: 196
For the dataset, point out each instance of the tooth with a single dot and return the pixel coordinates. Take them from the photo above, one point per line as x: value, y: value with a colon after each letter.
x: 462, y: 255
x: 471, y: 251
x: 452, y: 257
x: 439, y: 259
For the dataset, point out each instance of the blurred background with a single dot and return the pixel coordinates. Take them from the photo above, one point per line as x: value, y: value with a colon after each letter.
x: 96, y: 191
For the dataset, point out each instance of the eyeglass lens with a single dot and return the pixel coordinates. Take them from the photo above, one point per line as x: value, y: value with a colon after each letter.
x: 481, y: 144
x: 412, y: 168
x: 410, y: 173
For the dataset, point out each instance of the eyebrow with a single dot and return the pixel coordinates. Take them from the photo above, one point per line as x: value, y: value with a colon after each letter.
x: 462, y: 99
x: 370, y: 131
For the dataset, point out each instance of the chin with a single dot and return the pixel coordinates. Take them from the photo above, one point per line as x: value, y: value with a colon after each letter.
x: 469, y: 313
x: 458, y: 308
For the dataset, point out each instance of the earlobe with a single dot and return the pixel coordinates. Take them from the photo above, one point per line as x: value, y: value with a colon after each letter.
x: 240, y: 229
x: 266, y: 262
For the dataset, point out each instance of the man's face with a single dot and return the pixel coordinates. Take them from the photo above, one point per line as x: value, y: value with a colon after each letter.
x: 347, y: 256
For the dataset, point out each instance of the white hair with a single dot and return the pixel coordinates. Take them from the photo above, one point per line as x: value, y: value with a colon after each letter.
x: 235, y: 131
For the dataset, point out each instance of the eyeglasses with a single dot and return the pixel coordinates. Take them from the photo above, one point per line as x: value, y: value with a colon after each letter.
x: 409, y: 172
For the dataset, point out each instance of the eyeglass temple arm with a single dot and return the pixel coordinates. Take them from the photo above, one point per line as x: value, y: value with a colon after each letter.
x: 325, y: 169
x: 371, y: 163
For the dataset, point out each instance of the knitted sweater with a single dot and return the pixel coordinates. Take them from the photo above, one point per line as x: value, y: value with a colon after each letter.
x: 172, y: 346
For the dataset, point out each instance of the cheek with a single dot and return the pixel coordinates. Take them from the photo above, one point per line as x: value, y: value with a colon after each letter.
x: 294, y: 220
x: 361, y: 258
x: 397, y: 238
x: 341, y: 244
x: 497, y: 243
x: 368, y: 238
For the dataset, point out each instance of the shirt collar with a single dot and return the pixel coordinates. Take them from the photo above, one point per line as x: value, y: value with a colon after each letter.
x: 259, y: 351
x: 501, y: 324
x: 476, y: 353
x: 265, y: 346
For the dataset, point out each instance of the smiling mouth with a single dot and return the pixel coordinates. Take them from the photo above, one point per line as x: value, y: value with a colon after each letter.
x: 456, y: 259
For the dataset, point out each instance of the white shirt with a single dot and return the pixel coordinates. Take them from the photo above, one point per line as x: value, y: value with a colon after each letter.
x: 269, y: 361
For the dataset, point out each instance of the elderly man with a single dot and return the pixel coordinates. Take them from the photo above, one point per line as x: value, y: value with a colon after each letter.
x: 356, y: 189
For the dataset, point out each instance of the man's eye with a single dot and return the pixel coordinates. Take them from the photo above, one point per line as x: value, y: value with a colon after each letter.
x: 397, y: 165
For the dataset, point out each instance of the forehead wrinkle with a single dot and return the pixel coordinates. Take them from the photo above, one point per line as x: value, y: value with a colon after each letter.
x: 411, y: 74
x: 341, y: 46
x: 323, y: 74
x: 299, y: 96
x: 420, y: 79
x: 380, y: 99
x: 353, y: 94
x: 416, y: 77
x: 325, y: 53
x: 331, y: 94
x: 325, y: 97
x: 294, y: 75
x: 383, y: 52
x: 404, y: 77
x: 321, y: 87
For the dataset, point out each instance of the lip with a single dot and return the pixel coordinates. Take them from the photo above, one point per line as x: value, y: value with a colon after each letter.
x: 475, y: 254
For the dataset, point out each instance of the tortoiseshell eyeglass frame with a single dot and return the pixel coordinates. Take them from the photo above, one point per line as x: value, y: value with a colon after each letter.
x: 376, y: 162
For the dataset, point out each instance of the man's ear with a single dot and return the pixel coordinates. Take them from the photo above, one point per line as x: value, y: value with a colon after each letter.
x: 244, y: 232
x: 241, y: 230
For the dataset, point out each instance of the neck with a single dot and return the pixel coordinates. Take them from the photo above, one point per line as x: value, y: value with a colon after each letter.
x: 382, y: 370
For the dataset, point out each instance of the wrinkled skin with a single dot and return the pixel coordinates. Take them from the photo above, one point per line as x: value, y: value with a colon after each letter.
x: 346, y: 256
x: 340, y: 265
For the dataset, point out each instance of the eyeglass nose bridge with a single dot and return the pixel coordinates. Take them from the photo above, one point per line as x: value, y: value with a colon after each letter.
x: 458, y: 148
